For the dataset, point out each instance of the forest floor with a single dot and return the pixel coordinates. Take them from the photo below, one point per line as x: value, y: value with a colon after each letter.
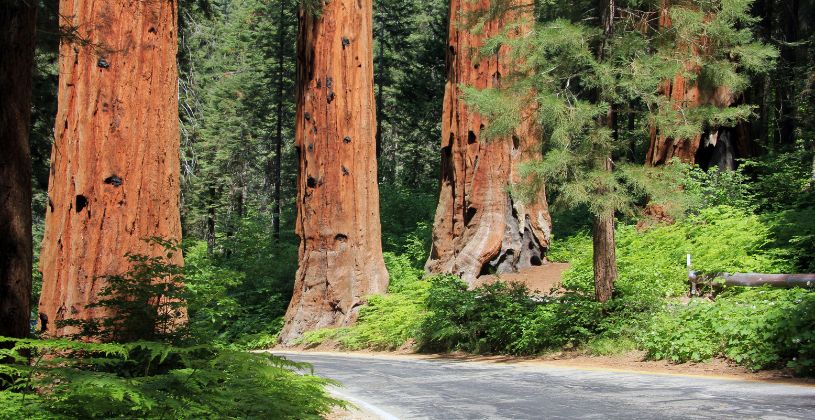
x: 543, y: 278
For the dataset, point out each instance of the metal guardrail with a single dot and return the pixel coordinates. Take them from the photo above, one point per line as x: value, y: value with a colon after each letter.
x: 715, y: 280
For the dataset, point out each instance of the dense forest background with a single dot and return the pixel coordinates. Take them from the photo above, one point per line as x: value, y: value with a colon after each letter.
x: 236, y: 89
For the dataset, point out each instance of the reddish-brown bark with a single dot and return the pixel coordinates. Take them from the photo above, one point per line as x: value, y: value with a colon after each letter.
x: 479, y: 226
x: 18, y: 22
x: 115, y: 161
x: 338, y: 198
x: 683, y: 93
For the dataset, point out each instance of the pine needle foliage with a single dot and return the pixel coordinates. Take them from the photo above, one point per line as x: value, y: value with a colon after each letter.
x: 578, y: 74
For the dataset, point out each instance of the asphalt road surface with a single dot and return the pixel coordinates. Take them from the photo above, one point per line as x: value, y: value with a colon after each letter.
x: 404, y: 388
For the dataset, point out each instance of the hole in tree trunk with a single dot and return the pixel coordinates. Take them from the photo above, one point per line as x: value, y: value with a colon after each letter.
x: 311, y: 182
x: 516, y: 142
x: 471, y: 138
x: 114, y: 180
x: 535, y: 260
x: 469, y: 214
x: 341, y: 237
x: 81, y: 203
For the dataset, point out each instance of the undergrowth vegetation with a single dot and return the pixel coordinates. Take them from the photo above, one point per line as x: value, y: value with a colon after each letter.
x: 147, y: 361
x: 53, y: 379
x: 652, y: 309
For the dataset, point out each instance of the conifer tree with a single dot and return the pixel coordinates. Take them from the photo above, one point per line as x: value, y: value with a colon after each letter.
x: 582, y: 74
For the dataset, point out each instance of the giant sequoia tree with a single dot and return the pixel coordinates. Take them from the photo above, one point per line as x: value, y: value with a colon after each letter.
x: 337, y: 197
x: 115, y: 161
x: 480, y: 227
x: 18, y: 23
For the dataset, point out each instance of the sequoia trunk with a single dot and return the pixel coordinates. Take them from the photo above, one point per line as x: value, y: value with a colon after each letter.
x: 722, y: 144
x: 479, y: 227
x: 115, y: 161
x: 18, y: 20
x: 337, y: 194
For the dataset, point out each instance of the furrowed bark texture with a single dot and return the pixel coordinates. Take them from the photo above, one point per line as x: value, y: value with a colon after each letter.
x: 479, y: 228
x: 605, y: 257
x: 18, y: 22
x: 115, y: 161
x: 337, y: 197
x: 683, y: 92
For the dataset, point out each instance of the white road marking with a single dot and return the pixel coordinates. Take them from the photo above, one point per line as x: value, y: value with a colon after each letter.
x: 382, y: 414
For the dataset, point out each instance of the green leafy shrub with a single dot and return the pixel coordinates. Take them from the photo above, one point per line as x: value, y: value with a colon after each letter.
x: 386, y: 322
x: 758, y: 328
x: 70, y: 379
x: 781, y: 181
x: 507, y: 319
x: 793, y: 231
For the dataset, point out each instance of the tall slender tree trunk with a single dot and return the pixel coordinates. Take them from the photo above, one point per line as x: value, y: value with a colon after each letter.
x: 787, y: 93
x: 479, y: 227
x: 212, y: 198
x: 18, y: 20
x: 337, y: 193
x: 278, y: 161
x: 115, y: 161
x: 605, y: 256
x: 603, y: 240
x: 380, y: 110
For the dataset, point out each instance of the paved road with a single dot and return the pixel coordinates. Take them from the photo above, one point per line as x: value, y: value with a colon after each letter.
x: 443, y: 389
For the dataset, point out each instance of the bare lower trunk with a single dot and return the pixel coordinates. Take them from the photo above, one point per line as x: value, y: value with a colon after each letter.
x: 337, y: 198
x: 812, y: 181
x: 605, y: 257
x: 115, y: 161
x: 480, y: 227
x: 18, y: 23
x: 379, y: 106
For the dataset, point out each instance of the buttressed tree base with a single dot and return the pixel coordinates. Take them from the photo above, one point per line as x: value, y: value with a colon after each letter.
x: 338, y: 199
x: 480, y: 227
x: 115, y: 162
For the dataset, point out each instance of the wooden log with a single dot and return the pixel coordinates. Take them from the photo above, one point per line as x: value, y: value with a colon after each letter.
x: 784, y: 281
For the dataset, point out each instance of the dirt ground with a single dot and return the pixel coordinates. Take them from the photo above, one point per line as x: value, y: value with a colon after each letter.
x: 541, y: 278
